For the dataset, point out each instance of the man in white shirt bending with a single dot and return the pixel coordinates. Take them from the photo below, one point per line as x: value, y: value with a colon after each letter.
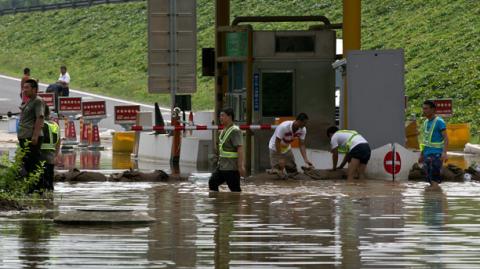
x: 355, y: 147
x: 64, y: 81
x: 281, y: 156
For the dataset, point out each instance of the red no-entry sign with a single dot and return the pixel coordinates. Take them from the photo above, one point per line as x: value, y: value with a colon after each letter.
x: 390, y: 166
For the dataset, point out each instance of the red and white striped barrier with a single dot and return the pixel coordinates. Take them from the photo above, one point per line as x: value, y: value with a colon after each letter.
x: 201, y: 127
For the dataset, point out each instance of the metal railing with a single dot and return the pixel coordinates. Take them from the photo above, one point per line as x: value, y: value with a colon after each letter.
x: 14, y: 6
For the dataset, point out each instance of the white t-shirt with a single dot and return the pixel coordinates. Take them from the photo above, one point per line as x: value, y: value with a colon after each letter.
x: 285, y: 133
x: 65, y: 78
x: 340, y: 139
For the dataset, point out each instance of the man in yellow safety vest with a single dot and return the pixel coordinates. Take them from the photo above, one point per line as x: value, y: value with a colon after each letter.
x: 50, y: 148
x: 356, y: 149
x: 230, y: 155
x: 434, y: 144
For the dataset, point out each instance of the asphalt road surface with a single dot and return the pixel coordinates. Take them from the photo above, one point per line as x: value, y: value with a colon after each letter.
x: 10, y: 101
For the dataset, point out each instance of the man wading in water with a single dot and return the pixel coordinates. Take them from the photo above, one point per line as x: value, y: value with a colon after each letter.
x: 230, y: 152
x: 434, y: 145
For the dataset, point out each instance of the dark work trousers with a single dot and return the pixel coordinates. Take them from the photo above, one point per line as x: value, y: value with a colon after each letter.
x: 47, y: 179
x: 219, y: 177
x: 32, y: 158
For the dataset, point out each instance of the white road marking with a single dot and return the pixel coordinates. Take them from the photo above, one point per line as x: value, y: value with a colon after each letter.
x: 92, y: 95
x: 4, y: 99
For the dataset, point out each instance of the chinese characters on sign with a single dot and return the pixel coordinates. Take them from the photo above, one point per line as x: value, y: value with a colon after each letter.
x: 94, y: 109
x: 444, y: 107
x: 126, y: 114
x: 70, y: 104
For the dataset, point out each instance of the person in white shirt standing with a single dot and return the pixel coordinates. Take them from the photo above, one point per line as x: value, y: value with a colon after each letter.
x: 64, y: 81
x: 281, y: 156
x: 355, y: 147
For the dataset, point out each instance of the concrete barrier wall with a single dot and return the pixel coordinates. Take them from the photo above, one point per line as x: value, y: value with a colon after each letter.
x: 194, y: 151
x: 379, y: 167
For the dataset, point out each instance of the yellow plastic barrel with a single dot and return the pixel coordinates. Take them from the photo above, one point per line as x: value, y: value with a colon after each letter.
x: 412, y: 135
x: 123, y: 142
x: 458, y: 135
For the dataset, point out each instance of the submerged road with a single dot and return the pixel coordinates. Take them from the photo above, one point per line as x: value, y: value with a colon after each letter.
x: 10, y: 101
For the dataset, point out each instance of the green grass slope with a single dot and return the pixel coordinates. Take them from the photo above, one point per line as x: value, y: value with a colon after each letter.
x: 105, y: 46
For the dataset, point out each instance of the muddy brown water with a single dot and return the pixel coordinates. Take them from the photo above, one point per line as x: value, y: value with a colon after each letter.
x: 281, y: 224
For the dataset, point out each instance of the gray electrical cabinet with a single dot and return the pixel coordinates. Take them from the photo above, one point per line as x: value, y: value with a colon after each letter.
x: 376, y: 96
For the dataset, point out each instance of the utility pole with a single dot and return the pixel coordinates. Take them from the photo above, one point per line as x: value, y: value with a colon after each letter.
x: 352, y: 10
x: 222, y: 18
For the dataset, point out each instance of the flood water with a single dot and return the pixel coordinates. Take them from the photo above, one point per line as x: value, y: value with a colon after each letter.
x: 294, y: 224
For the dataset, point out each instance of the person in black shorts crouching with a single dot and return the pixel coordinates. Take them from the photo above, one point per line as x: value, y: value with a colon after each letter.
x: 355, y: 147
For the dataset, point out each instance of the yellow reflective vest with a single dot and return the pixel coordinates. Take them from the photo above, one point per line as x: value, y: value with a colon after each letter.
x: 224, y: 135
x: 50, y: 135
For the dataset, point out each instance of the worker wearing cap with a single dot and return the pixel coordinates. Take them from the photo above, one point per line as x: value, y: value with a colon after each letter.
x: 281, y: 156
x: 434, y: 145
x: 355, y: 147
x: 230, y: 155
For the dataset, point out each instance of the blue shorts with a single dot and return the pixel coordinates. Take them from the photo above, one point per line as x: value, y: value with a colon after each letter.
x: 433, y: 166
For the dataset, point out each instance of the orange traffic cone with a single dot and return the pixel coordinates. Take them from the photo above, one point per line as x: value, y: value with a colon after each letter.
x: 70, y: 133
x: 95, y: 138
x: 84, y: 133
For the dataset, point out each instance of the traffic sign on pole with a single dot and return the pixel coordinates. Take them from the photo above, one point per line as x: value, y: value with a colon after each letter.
x: 172, y: 46
x: 444, y: 107
x: 48, y: 98
x: 94, y: 110
x: 126, y: 114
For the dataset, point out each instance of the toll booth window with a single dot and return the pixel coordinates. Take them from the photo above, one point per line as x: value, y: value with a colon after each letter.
x: 277, y: 94
x: 236, y: 72
x: 290, y: 44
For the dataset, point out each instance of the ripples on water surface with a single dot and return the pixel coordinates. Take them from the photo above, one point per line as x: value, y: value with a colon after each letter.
x: 295, y: 224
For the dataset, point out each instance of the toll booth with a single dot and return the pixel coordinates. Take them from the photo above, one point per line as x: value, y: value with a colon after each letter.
x: 278, y: 74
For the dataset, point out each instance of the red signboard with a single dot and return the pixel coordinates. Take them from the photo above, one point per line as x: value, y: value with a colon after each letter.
x: 70, y: 104
x: 94, y: 109
x: 126, y: 114
x: 48, y: 98
x: 391, y: 166
x: 444, y: 107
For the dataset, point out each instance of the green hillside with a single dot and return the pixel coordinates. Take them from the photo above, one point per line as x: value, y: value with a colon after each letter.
x: 105, y: 46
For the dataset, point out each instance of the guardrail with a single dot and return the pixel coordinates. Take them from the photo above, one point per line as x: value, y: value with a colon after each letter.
x: 61, y: 5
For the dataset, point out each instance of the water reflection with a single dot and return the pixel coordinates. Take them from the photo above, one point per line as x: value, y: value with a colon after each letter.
x: 290, y: 224
x: 89, y: 159
x: 34, y: 245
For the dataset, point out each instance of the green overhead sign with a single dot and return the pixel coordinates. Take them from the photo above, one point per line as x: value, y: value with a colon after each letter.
x: 237, y: 44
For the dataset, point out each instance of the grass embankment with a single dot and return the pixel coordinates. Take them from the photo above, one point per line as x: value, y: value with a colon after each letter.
x: 105, y: 46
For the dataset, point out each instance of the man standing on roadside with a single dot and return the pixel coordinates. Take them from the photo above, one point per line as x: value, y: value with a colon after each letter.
x: 281, y: 156
x: 30, y: 134
x: 64, y: 81
x: 434, y: 145
x: 50, y: 148
x: 230, y: 152
x: 26, y: 76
